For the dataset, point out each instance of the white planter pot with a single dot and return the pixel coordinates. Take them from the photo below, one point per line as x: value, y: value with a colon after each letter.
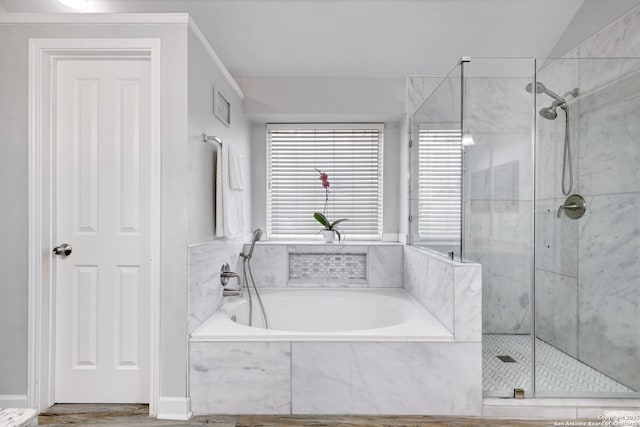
x: 329, y: 236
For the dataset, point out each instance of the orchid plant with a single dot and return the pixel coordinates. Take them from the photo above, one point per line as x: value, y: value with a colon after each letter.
x: 321, y: 217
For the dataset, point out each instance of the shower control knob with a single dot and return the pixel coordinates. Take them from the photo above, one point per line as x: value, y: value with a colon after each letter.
x: 64, y: 249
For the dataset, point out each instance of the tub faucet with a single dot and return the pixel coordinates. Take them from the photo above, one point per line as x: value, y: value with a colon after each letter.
x: 225, y: 275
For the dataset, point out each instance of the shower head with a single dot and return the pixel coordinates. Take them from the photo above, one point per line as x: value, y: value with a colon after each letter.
x: 541, y: 88
x: 257, y: 235
x: 550, y: 113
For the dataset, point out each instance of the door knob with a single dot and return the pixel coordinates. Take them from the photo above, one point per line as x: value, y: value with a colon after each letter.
x: 63, y: 250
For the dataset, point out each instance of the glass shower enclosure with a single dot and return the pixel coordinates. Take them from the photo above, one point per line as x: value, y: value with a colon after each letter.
x: 532, y: 168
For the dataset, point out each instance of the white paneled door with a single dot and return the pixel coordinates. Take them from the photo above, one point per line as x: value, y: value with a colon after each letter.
x: 102, y: 170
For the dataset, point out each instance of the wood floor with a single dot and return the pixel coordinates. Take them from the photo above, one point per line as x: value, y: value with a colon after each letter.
x: 137, y: 415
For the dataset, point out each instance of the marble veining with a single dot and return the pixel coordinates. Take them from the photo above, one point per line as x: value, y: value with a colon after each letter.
x: 491, y: 153
x: 556, y: 239
x: 486, y: 112
x: 18, y: 417
x: 385, y: 266
x: 499, y: 237
x: 430, y: 280
x: 468, y: 303
x: 609, y: 273
x: 557, y: 310
x: 240, y: 377
x: 597, y: 66
x: 609, y: 149
x: 269, y: 264
x: 418, y: 90
x: 204, y: 261
x: 426, y: 378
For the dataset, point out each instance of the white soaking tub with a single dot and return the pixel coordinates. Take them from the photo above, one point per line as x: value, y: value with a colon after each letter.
x: 378, y: 314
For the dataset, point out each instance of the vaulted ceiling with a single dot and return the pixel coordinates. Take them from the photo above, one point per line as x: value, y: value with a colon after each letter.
x: 355, y: 38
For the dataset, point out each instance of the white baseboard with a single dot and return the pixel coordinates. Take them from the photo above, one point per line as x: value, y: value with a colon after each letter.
x: 174, y: 408
x: 13, y: 401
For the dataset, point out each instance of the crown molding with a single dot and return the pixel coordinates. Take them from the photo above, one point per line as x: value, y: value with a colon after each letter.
x: 94, y: 18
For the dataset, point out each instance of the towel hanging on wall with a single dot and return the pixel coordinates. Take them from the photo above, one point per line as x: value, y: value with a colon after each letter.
x: 229, y: 202
x: 236, y: 180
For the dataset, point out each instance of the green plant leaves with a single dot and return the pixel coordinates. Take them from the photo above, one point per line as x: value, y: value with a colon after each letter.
x: 322, y: 220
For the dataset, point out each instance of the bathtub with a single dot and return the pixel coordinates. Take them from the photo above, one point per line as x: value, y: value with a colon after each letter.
x: 368, y: 314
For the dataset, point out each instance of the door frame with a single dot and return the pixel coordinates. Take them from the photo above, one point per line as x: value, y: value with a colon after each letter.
x: 43, y: 57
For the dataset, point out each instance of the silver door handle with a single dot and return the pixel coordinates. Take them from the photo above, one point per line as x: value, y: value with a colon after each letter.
x: 63, y: 250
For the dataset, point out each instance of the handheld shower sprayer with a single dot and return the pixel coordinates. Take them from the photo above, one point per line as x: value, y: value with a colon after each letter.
x: 246, y: 266
x: 550, y: 113
x: 257, y: 235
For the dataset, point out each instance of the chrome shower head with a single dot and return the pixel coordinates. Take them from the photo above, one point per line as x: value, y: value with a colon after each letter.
x: 257, y: 235
x: 541, y: 88
x: 549, y: 113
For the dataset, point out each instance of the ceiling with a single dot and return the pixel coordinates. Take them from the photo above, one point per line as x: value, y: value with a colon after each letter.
x: 355, y: 38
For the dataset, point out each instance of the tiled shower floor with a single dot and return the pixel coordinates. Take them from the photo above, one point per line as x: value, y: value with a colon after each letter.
x: 555, y: 370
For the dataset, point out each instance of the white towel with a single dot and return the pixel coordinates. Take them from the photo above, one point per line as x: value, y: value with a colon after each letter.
x: 229, y: 204
x: 236, y: 180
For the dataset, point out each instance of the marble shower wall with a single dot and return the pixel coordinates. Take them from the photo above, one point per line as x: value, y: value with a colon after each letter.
x: 498, y: 196
x: 587, y: 271
x: 205, y: 260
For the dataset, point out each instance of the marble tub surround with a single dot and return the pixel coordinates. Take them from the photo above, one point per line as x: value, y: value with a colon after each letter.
x: 240, y: 378
x: 204, y: 261
x: 18, y: 417
x: 271, y: 264
x: 324, y: 378
x: 450, y: 290
x: 386, y: 378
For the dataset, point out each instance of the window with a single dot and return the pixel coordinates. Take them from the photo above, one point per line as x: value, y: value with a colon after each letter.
x: 439, y: 186
x: 351, y: 154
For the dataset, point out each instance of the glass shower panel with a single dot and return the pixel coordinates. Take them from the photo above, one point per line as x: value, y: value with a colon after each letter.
x: 435, y: 188
x: 498, y: 221
x: 587, y: 269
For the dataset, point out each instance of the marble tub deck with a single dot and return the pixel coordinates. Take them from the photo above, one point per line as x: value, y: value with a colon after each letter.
x: 136, y: 415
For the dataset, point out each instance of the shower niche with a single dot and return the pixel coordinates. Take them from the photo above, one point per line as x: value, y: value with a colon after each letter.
x: 531, y: 167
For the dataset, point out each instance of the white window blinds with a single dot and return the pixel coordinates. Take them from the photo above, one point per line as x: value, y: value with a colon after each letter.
x: 351, y: 155
x: 439, y: 186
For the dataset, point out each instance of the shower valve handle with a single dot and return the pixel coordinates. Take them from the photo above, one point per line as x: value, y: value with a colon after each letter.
x: 574, y: 207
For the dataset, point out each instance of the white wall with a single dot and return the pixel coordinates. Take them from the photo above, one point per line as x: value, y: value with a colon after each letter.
x: 204, y: 75
x: 13, y: 187
x: 308, y: 100
x: 368, y: 99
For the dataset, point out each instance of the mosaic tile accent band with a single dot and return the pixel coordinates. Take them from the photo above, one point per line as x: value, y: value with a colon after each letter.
x: 327, y: 267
